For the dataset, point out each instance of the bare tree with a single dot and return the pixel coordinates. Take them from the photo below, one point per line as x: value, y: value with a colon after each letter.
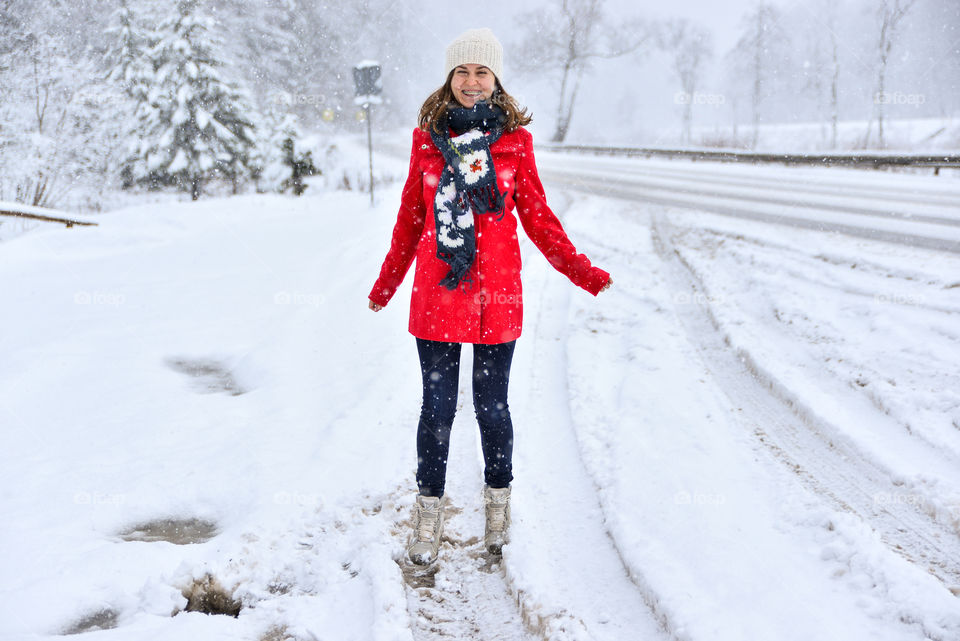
x: 54, y: 107
x: 689, y: 45
x: 567, y: 37
x: 818, y: 26
x: 890, y: 14
x: 833, y: 38
x: 754, y: 54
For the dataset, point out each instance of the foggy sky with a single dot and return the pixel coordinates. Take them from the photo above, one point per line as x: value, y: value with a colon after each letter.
x: 636, y: 91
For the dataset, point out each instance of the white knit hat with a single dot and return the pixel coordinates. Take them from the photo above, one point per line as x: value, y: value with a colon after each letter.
x: 478, y: 47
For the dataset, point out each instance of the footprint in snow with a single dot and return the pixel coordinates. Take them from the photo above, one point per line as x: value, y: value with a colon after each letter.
x: 208, y: 376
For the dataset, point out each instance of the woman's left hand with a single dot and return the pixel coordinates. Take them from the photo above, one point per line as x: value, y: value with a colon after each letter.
x: 607, y: 286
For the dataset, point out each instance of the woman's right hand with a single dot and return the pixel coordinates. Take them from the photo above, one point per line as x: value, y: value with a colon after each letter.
x: 374, y: 306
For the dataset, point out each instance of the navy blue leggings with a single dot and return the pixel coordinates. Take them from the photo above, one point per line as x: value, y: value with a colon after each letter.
x: 440, y: 367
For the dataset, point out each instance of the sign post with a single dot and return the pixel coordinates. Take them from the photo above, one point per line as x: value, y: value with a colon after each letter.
x: 366, y: 77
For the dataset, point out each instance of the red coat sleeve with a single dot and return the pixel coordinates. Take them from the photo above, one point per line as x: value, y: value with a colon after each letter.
x: 406, y: 232
x: 544, y: 229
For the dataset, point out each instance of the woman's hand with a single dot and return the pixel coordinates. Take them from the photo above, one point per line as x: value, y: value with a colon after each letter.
x: 604, y: 288
x: 374, y: 306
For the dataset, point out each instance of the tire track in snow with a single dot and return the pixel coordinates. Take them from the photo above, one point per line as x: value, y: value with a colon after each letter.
x: 826, y: 462
x: 555, y: 496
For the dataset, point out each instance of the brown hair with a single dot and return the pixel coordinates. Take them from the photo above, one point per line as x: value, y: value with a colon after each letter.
x: 435, y: 107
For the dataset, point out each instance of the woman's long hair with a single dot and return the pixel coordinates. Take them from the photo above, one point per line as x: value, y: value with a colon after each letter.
x: 435, y: 107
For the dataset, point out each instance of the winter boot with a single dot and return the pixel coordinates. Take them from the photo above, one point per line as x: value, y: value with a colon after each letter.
x: 427, y: 529
x: 497, y: 507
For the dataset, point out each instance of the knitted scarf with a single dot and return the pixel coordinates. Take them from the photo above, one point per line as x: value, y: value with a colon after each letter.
x: 468, y: 184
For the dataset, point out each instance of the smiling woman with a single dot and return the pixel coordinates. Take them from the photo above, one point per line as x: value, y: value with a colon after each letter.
x: 472, y: 83
x: 472, y: 175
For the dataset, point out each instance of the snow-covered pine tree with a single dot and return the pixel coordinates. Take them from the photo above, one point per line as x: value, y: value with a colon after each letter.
x: 126, y: 64
x: 128, y: 69
x: 195, y: 125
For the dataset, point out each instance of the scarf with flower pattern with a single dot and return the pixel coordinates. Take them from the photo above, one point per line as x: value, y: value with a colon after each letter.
x: 468, y: 184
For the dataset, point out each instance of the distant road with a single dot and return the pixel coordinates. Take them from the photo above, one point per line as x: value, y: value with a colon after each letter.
x: 922, y: 211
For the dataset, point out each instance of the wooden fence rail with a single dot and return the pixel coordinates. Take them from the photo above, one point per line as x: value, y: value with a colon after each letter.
x: 50, y: 219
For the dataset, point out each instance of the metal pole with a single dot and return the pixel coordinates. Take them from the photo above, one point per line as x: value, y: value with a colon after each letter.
x: 370, y: 150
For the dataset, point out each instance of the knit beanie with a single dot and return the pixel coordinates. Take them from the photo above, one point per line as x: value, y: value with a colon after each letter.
x: 476, y: 46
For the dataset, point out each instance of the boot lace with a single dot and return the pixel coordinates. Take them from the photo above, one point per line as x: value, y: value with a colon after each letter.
x: 496, y: 516
x: 427, y: 528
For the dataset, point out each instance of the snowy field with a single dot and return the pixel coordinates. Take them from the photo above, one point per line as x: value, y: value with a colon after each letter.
x: 755, y: 434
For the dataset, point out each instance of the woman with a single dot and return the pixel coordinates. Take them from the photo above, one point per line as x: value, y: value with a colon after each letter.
x: 472, y: 174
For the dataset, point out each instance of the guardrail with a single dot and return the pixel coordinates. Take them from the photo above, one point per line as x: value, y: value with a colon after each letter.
x: 50, y: 219
x: 873, y: 160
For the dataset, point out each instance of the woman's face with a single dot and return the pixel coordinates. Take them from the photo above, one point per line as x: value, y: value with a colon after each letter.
x: 472, y: 83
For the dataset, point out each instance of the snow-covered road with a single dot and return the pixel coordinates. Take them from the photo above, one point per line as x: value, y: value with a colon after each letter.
x: 922, y: 211
x: 755, y: 434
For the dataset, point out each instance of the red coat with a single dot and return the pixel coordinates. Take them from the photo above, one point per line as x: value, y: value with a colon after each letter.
x: 490, y: 310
